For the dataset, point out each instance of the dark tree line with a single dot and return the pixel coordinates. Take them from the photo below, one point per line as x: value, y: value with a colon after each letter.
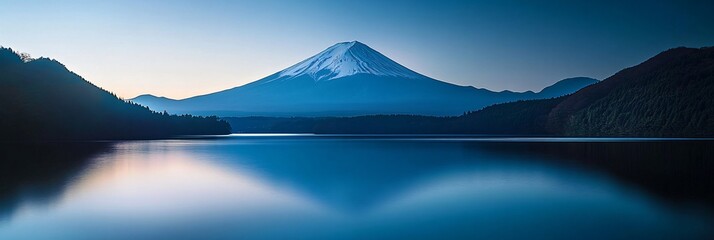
x: 375, y: 124
x: 670, y: 95
x: 41, y: 100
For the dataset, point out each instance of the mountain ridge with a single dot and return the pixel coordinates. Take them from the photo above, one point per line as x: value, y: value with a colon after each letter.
x: 346, y: 79
x: 41, y: 100
x: 581, y: 82
x: 347, y: 59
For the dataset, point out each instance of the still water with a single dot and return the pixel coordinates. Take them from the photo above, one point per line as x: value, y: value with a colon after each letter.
x: 349, y: 187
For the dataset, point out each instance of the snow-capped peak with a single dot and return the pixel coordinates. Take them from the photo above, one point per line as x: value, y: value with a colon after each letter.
x: 346, y: 59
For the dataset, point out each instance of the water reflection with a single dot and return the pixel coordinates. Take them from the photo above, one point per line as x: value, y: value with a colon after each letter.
x: 347, y: 187
x: 36, y: 174
x: 673, y: 170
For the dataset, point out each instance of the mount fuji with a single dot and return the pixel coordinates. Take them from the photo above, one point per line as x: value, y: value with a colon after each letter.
x: 349, y: 79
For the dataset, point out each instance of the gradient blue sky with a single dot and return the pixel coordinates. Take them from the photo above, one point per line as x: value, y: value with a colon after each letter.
x: 184, y: 48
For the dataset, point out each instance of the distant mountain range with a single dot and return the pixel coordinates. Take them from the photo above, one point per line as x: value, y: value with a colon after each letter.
x: 349, y: 79
x: 40, y: 100
x: 669, y: 95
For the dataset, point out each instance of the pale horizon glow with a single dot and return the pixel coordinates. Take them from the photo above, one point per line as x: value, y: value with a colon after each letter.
x: 180, y: 49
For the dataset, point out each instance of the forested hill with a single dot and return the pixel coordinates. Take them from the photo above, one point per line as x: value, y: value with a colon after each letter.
x: 669, y: 95
x: 41, y: 100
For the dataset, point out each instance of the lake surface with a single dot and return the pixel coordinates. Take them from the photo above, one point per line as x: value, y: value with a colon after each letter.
x: 359, y: 187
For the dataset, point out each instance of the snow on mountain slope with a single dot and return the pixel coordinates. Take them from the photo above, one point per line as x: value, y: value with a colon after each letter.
x: 347, y: 59
x: 346, y: 79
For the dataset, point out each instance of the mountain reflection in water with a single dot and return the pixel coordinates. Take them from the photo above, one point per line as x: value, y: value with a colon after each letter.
x: 357, y: 187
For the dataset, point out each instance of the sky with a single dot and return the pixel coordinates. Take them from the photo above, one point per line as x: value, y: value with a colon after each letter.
x: 180, y: 48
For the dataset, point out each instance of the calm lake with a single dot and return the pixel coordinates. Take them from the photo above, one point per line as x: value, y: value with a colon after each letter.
x: 359, y: 187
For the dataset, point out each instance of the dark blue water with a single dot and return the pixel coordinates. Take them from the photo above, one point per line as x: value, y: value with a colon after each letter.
x: 347, y: 187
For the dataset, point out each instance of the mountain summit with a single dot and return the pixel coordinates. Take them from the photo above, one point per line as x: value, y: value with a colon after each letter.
x: 346, y: 79
x: 347, y: 59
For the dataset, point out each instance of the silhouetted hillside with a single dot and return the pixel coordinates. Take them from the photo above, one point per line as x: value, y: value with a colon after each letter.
x: 42, y: 100
x: 667, y: 95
